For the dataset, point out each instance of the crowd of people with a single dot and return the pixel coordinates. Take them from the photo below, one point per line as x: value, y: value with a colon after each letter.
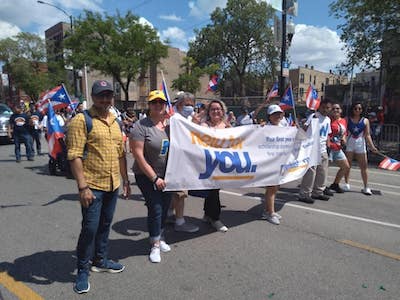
x: 97, y: 159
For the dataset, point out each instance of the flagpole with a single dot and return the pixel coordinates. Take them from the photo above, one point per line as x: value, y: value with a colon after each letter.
x: 294, y: 104
x: 69, y: 98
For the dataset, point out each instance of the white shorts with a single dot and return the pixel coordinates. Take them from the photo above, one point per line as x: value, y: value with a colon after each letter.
x: 356, y: 145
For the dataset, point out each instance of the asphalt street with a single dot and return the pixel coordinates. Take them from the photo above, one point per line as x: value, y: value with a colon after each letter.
x: 344, y: 248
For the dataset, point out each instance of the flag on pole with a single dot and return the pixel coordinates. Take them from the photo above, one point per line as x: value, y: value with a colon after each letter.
x: 312, y: 100
x: 59, y: 99
x: 273, y: 92
x: 170, y: 108
x: 213, y: 84
x: 290, y: 120
x: 54, y: 132
x: 287, y: 101
x: 389, y: 164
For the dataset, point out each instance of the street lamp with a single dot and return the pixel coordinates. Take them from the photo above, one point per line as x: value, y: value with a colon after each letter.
x: 76, y: 79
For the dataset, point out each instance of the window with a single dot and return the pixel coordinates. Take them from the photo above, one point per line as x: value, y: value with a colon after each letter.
x: 326, y: 81
x: 322, y: 87
x: 310, y: 78
x: 302, y: 78
x: 315, y: 79
x: 301, y: 90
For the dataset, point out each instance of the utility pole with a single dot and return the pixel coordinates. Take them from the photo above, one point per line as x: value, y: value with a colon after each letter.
x: 283, y: 50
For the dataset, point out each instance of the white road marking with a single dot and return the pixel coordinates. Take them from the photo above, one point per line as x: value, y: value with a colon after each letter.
x: 327, y: 212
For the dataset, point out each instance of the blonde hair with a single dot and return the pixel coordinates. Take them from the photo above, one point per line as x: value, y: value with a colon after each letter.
x: 223, y: 106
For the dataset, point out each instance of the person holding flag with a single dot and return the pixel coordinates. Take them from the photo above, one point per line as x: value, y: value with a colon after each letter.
x: 312, y: 100
x: 98, y: 181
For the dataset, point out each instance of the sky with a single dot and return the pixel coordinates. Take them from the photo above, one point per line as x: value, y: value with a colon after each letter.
x: 316, y: 41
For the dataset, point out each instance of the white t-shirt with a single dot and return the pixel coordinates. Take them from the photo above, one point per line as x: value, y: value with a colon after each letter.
x: 246, y: 119
x: 324, y: 128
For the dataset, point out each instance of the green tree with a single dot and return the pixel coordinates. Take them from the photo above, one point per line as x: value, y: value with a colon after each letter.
x: 189, y: 80
x: 24, y: 57
x: 365, y: 29
x: 119, y: 46
x: 239, y: 39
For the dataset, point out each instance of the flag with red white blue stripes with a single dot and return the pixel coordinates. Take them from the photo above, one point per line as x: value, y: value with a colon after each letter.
x: 389, y: 164
x: 312, y: 100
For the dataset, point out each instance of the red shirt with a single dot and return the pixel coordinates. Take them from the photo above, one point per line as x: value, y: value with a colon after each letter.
x: 338, y: 131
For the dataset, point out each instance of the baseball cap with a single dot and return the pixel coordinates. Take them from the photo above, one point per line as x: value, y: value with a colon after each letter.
x: 100, y: 86
x: 156, y: 94
x: 273, y: 109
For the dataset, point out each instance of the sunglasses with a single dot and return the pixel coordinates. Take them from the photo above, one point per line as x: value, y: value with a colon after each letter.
x: 336, y: 108
x: 105, y: 96
x: 357, y: 108
x: 158, y: 101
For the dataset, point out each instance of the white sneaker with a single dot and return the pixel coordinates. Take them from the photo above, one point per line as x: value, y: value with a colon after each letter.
x: 277, y: 215
x: 366, y: 191
x: 155, y: 256
x: 219, y: 226
x: 346, y: 187
x: 164, y: 247
x: 272, y: 218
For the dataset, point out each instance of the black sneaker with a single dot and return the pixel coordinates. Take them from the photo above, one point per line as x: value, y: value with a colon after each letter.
x: 328, y: 192
x: 320, y: 197
x: 306, y: 199
x: 335, y: 187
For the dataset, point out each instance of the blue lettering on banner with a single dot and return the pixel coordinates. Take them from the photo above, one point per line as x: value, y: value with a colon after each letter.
x: 228, y: 162
x: 164, y: 147
x: 323, y: 131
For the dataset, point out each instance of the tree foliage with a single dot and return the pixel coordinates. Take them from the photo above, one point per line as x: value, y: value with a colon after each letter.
x: 24, y: 58
x: 115, y: 45
x: 239, y: 39
x: 189, y: 79
x: 365, y: 29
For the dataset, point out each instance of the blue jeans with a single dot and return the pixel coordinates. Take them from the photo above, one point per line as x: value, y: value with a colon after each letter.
x: 96, y: 223
x: 157, y: 203
x: 36, y: 136
x: 26, y: 139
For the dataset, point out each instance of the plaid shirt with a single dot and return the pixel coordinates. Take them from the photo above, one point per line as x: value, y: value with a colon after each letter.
x: 104, y: 148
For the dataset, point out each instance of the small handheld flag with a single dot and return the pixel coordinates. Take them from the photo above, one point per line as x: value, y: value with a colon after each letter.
x: 170, y: 108
x: 389, y: 164
x: 273, y: 92
x: 213, y: 84
x: 312, y: 101
x: 287, y: 100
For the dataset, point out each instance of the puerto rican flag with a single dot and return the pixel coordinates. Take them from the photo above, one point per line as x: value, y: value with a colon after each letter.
x: 312, y: 101
x: 59, y: 99
x: 287, y: 101
x: 274, y: 91
x: 213, y: 84
x: 54, y: 132
x: 389, y: 164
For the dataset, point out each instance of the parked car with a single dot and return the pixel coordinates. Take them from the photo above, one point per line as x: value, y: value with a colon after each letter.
x: 5, y: 114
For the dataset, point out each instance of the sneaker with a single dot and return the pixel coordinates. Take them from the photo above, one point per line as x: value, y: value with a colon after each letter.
x: 108, y: 266
x: 219, y: 226
x: 277, y: 215
x: 366, y: 191
x: 186, y: 227
x: 155, y: 256
x: 170, y: 219
x: 306, y: 199
x: 335, y: 187
x: 328, y: 192
x: 272, y: 218
x: 346, y: 187
x: 320, y: 197
x: 164, y: 247
x: 18, y: 161
x: 31, y: 159
x: 82, y: 284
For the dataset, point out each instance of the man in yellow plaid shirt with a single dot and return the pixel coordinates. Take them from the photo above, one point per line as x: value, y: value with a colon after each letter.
x: 97, y: 160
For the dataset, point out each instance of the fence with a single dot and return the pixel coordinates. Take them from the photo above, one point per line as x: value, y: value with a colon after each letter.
x: 387, y: 137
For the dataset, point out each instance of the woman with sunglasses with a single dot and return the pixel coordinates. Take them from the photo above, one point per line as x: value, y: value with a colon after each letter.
x: 337, y: 139
x: 149, y: 142
x: 359, y: 135
x: 216, y: 118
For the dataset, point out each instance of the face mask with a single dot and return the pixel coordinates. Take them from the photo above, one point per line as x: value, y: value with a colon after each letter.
x: 187, y: 111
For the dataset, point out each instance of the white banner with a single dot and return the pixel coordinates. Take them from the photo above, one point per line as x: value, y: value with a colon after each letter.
x: 244, y: 156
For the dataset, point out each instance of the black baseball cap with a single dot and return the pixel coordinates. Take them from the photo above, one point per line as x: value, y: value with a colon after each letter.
x: 100, y: 86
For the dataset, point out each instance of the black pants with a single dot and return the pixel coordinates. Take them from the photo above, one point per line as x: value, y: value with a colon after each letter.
x: 212, y: 205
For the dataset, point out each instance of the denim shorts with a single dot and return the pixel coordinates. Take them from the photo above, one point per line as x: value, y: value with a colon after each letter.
x: 337, y: 155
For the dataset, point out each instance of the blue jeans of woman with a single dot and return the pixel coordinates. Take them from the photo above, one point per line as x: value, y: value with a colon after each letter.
x: 27, y: 140
x: 96, y: 223
x: 157, y: 203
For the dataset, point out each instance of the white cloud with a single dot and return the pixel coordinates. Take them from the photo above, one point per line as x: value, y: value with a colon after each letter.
x: 202, y: 8
x: 172, y: 17
x: 318, y: 47
x: 8, y: 30
x: 176, y: 36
